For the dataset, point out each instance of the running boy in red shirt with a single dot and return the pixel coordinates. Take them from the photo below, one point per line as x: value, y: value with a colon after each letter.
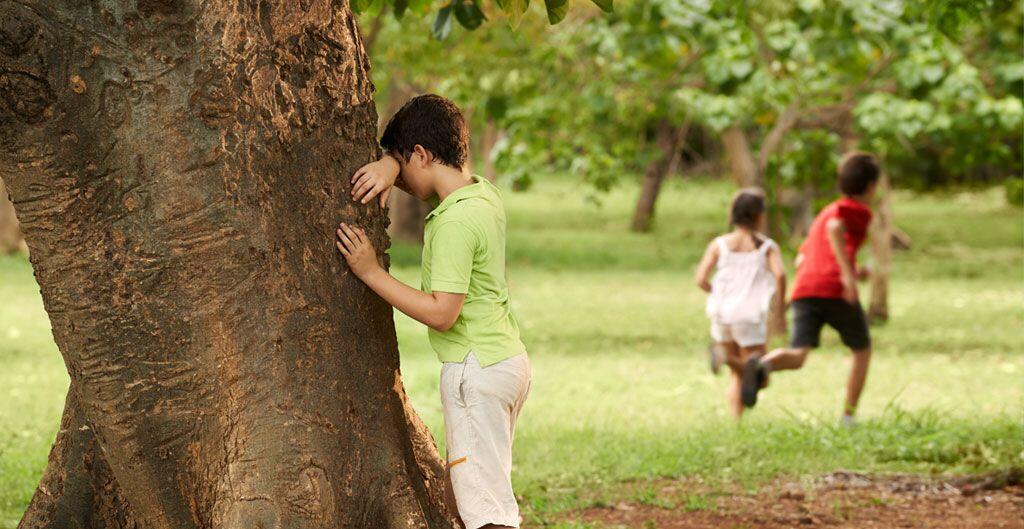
x: 825, y: 289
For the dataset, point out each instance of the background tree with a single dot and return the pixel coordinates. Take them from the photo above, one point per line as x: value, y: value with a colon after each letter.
x: 178, y: 169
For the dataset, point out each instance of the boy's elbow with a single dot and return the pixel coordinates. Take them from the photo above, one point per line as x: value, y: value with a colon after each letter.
x: 442, y: 326
x: 443, y: 322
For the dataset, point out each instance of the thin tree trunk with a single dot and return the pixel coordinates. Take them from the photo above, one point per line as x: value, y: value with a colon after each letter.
x: 881, y: 251
x: 492, y: 134
x: 668, y: 140
x: 773, y: 140
x: 408, y: 216
x: 11, y: 240
x: 179, y: 168
x: 741, y: 159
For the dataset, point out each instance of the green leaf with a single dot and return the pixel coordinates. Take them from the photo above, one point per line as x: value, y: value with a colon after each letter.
x: 360, y: 6
x: 514, y: 9
x: 469, y: 14
x: 400, y: 7
x: 556, y: 10
x: 605, y: 5
x: 443, y: 23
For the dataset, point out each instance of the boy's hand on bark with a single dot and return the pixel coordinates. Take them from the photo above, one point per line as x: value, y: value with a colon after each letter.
x: 357, y: 249
x: 375, y: 179
x: 863, y: 273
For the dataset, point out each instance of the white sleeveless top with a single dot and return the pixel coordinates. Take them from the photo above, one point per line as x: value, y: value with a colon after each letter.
x: 742, y: 287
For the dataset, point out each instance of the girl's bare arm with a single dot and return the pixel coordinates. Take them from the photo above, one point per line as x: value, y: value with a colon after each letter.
x: 707, y: 263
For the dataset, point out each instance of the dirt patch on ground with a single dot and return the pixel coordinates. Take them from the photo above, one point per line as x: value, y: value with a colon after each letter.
x: 837, y: 500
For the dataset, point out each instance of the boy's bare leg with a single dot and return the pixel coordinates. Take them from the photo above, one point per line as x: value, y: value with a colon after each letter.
x: 755, y: 373
x: 858, y: 376
x: 783, y: 359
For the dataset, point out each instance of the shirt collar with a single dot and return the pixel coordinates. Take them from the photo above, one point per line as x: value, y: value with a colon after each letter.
x: 474, y: 190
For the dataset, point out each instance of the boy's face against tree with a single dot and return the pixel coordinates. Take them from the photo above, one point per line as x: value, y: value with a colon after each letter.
x: 415, y: 172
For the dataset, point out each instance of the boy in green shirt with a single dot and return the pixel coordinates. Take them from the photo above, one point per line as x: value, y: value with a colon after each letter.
x: 485, y: 373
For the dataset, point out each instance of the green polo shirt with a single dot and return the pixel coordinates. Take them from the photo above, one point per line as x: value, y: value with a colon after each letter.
x: 464, y: 253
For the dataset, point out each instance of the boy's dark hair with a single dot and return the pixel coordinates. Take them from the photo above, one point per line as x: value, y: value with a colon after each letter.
x: 433, y: 122
x: 747, y: 205
x: 857, y: 170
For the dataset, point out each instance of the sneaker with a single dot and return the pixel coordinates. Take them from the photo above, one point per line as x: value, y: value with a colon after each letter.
x: 754, y: 376
x: 716, y: 357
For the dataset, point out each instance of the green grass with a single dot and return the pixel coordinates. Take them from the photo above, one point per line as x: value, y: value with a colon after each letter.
x: 616, y: 333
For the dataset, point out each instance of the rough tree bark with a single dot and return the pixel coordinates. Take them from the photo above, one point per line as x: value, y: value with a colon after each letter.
x: 179, y: 167
x: 11, y: 240
x: 668, y: 140
x: 881, y: 252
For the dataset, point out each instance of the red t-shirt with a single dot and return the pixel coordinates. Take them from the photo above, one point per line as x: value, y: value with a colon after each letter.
x: 818, y: 275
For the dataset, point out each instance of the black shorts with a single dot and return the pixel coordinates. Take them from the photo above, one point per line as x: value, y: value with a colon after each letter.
x: 810, y: 314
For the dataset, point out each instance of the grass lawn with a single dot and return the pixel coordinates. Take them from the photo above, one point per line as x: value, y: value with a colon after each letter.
x: 616, y: 332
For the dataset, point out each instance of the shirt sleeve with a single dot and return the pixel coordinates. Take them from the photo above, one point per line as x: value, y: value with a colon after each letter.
x: 855, y: 220
x: 451, y: 263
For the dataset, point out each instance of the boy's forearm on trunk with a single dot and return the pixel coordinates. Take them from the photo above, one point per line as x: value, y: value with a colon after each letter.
x: 410, y: 301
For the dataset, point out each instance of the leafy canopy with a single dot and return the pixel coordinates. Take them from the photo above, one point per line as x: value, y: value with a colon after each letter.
x: 470, y: 14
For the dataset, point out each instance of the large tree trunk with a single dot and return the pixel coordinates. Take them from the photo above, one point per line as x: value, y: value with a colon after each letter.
x: 881, y: 251
x: 178, y: 168
x: 668, y: 140
x: 11, y: 240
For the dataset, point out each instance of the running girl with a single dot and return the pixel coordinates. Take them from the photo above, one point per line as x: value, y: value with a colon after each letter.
x: 748, y: 273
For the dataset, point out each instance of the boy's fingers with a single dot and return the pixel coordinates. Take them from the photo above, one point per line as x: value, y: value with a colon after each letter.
x: 373, y: 191
x: 356, y: 236
x: 359, y: 172
x: 341, y: 248
x: 350, y: 235
x: 345, y: 240
x: 359, y: 187
x: 363, y: 187
x: 384, y: 197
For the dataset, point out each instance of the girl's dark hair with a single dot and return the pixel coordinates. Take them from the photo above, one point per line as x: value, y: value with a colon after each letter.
x: 432, y: 122
x: 747, y: 205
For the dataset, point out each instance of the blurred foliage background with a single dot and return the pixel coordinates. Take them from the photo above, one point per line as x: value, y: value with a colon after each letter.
x: 766, y: 93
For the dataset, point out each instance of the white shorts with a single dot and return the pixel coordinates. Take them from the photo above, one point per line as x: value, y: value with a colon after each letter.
x: 744, y: 334
x: 481, y: 405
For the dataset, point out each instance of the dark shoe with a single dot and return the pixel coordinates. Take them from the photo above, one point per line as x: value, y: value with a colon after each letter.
x: 716, y: 357
x: 753, y: 379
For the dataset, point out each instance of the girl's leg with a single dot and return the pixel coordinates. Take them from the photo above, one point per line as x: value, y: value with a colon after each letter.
x: 734, y: 359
